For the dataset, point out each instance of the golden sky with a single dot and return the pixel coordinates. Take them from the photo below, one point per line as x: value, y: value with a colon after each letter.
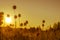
x: 33, y: 10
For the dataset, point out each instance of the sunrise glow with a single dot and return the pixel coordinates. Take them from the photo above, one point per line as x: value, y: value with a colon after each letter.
x: 8, y: 20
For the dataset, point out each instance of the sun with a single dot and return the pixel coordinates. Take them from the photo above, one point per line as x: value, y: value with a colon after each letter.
x: 8, y: 20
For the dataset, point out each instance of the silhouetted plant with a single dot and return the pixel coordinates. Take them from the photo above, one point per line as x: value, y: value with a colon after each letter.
x: 55, y: 26
x: 21, y: 24
x: 32, y: 30
x: 15, y: 20
x: 58, y: 25
x: 1, y: 23
x: 24, y: 24
x: 11, y: 24
x: 14, y: 7
x: 38, y: 34
x: 1, y: 18
x: 8, y: 15
x: 43, y: 23
x: 15, y: 16
x: 19, y: 15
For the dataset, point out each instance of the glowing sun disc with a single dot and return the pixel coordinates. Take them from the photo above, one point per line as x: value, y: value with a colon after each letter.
x: 8, y: 20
